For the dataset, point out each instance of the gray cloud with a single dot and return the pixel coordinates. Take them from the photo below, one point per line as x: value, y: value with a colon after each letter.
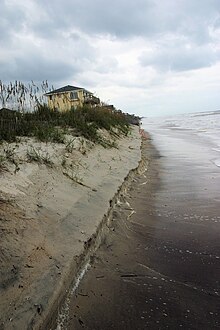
x: 180, y: 56
x: 56, y: 40
x: 36, y: 67
x: 123, y: 19
x: 119, y: 18
x: 11, y: 21
x: 55, y: 57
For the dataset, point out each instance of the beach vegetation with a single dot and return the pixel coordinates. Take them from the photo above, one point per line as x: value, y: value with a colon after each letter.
x: 70, y: 146
x: 51, y: 125
x: 2, y: 163
x: 8, y: 156
x: 39, y: 156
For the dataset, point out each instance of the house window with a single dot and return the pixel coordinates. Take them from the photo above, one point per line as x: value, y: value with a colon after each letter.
x: 86, y: 94
x: 73, y: 95
x: 51, y: 97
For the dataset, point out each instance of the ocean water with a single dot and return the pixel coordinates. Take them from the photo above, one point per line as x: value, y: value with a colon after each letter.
x: 203, y: 125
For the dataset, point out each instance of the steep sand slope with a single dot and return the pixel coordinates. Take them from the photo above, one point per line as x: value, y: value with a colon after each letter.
x: 48, y: 215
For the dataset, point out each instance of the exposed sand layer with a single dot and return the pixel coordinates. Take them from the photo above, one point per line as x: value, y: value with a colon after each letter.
x: 53, y: 198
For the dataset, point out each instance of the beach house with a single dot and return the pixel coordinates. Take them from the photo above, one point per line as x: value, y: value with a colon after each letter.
x: 68, y: 97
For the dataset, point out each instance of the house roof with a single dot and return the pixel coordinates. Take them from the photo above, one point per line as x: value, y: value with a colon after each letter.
x: 65, y: 89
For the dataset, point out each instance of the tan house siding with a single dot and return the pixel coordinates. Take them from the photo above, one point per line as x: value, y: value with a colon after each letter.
x: 68, y: 97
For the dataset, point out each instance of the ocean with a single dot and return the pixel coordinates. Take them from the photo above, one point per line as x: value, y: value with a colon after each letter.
x: 203, y: 126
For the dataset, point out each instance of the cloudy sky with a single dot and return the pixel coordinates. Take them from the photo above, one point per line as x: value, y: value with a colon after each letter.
x: 149, y: 57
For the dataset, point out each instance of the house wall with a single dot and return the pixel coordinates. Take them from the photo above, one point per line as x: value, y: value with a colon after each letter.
x: 63, y: 101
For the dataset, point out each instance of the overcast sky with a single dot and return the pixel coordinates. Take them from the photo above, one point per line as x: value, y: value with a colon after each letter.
x: 149, y: 57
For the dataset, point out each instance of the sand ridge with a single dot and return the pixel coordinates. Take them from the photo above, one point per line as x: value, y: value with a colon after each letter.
x: 49, y: 210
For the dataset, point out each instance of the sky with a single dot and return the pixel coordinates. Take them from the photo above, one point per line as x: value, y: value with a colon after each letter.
x: 147, y: 57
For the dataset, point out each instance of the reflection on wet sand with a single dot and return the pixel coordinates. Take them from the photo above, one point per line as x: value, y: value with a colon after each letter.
x: 159, y: 266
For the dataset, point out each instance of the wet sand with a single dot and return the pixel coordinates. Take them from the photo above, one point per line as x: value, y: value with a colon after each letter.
x: 159, y: 267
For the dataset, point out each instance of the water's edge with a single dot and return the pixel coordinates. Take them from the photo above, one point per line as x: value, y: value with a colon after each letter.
x: 59, y: 307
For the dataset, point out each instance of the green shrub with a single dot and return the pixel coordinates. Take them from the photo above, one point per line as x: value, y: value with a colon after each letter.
x: 49, y: 125
x: 48, y: 133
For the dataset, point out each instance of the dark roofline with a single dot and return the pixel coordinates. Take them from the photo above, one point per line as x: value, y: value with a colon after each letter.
x: 65, y: 89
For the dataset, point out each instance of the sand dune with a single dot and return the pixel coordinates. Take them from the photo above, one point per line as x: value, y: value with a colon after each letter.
x: 53, y: 198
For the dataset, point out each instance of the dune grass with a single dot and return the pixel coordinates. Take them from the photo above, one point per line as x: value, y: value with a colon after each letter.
x: 51, y: 126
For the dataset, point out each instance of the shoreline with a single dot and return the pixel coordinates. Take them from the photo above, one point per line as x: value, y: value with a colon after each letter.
x: 106, y: 227
x: 164, y: 247
x: 85, y: 307
x: 38, y: 302
x: 58, y: 315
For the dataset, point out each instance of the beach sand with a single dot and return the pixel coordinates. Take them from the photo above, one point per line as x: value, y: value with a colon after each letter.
x: 159, y: 266
x: 51, y: 211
